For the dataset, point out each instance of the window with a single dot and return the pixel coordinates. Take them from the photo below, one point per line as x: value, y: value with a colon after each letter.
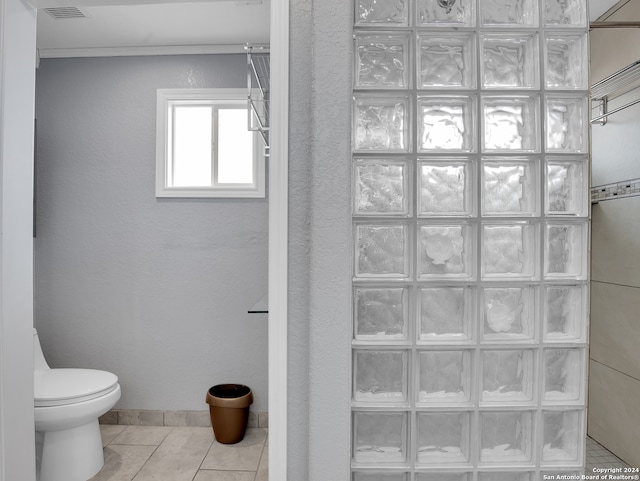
x: 204, y: 147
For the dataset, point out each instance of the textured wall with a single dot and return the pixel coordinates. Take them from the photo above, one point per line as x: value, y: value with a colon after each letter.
x: 330, y: 328
x: 156, y: 291
x: 319, y: 241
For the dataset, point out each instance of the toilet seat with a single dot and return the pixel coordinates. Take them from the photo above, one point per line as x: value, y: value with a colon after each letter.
x: 57, y: 387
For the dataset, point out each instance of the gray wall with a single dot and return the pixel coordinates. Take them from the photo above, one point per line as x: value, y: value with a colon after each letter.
x: 319, y: 240
x: 156, y: 291
x: 614, y: 369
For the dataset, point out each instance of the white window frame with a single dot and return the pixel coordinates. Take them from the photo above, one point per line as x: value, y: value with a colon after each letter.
x: 214, y: 97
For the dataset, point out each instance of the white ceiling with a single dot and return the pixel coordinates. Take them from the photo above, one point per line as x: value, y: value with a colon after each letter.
x: 200, y: 23
x: 119, y: 26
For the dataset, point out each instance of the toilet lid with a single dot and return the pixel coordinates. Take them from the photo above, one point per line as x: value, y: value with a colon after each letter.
x: 55, y: 387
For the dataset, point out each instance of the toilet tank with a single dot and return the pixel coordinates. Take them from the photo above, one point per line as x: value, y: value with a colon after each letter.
x: 39, y: 362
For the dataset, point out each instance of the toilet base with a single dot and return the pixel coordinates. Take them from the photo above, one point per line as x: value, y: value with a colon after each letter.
x: 70, y: 454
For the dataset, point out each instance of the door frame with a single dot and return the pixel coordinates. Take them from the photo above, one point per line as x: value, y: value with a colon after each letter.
x: 17, y: 330
x: 278, y: 239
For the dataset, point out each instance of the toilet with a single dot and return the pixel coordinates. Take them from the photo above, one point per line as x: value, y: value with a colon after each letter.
x: 68, y: 403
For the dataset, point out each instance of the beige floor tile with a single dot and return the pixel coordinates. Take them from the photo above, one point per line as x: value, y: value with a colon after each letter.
x: 207, y: 475
x: 142, y: 435
x: 243, y: 456
x: 121, y: 462
x: 179, y: 456
x: 109, y: 432
x: 263, y: 467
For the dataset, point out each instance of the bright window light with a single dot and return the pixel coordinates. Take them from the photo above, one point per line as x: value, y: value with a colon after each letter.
x: 235, y: 147
x: 191, y: 152
x: 204, y: 147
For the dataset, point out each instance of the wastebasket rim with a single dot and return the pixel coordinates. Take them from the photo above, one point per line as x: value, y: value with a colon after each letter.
x: 243, y: 398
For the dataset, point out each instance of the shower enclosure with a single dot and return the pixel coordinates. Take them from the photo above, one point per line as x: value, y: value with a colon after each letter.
x: 470, y: 238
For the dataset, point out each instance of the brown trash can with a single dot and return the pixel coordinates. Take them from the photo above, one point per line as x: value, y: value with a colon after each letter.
x: 229, y: 411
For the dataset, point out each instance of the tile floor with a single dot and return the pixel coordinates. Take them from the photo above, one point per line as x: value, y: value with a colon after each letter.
x: 600, y: 457
x: 160, y: 453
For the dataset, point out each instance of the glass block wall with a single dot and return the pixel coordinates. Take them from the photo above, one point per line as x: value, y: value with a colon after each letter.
x: 470, y: 237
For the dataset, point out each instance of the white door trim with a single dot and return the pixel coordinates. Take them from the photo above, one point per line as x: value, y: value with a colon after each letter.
x: 278, y: 239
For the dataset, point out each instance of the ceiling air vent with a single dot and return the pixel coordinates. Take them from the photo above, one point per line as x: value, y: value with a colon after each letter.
x: 65, y: 12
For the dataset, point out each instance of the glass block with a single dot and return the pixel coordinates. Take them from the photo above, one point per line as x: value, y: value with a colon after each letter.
x: 447, y: 61
x: 446, y: 13
x: 509, y: 13
x: 382, y: 61
x: 563, y: 438
x: 509, y: 187
x: 380, y: 477
x: 446, y: 313
x: 446, y: 188
x: 510, y: 61
x: 505, y: 476
x: 565, y: 316
x: 381, y: 124
x: 565, y: 13
x: 507, y: 376
x: 444, y: 377
x: 443, y: 438
x: 566, y: 124
x: 379, y: 437
x: 565, y: 57
x: 381, y: 187
x: 506, y: 438
x: 445, y: 251
x: 565, y: 251
x: 380, y: 376
x: 509, y: 313
x: 387, y: 13
x: 381, y: 313
x: 381, y: 250
x: 439, y: 476
x: 446, y: 124
x: 563, y: 375
x: 510, y: 124
x: 567, y: 187
x: 509, y: 250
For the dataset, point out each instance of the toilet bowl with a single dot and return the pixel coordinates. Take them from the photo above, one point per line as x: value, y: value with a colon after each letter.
x: 67, y: 405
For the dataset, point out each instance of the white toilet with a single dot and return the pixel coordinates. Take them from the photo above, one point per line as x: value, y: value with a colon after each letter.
x: 68, y: 403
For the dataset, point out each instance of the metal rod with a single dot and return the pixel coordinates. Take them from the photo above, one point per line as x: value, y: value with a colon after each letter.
x: 615, y: 110
x: 616, y: 81
x: 258, y: 119
x: 614, y: 25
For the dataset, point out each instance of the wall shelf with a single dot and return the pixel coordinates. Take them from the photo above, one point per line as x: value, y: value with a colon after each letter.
x: 258, y: 84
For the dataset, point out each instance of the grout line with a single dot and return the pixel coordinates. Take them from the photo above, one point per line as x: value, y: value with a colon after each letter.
x: 255, y: 477
x: 205, y: 457
x: 145, y: 463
